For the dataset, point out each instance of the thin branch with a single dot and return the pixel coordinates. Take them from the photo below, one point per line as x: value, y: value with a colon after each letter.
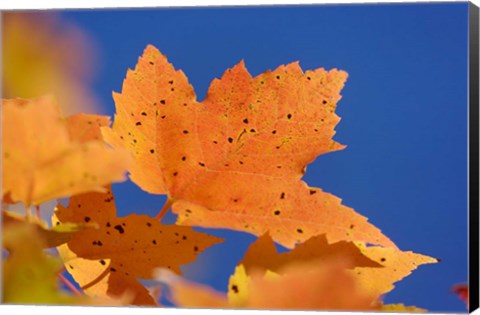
x: 37, y: 211
x: 165, y: 208
x: 69, y: 284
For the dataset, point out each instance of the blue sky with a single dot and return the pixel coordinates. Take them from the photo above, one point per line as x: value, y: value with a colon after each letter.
x: 404, y: 114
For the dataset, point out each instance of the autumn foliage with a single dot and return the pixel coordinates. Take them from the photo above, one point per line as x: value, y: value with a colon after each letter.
x: 233, y: 161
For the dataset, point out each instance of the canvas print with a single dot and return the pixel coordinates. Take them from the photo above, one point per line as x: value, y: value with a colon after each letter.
x: 304, y: 157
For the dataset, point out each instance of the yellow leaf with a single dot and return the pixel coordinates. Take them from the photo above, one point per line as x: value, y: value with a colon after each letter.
x: 238, y: 287
x: 43, y: 53
x: 53, y: 237
x: 400, y: 308
x: 41, y: 162
x: 29, y: 275
x: 236, y: 159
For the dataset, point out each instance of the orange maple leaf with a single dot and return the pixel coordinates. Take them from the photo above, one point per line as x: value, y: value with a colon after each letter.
x: 301, y: 286
x: 236, y: 159
x: 262, y: 255
x: 107, y: 261
x: 41, y: 161
x: 374, y: 268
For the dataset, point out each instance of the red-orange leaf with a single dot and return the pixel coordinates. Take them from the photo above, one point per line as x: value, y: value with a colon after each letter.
x: 462, y: 292
x: 108, y: 260
x: 236, y: 159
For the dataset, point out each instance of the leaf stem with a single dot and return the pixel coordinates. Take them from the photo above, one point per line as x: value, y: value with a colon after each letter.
x: 165, y: 208
x: 69, y: 284
x: 97, y: 279
x: 37, y: 211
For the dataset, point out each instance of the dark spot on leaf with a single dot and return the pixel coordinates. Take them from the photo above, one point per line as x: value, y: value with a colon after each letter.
x: 113, y: 269
x: 278, y: 77
x: 308, y: 78
x: 184, y: 158
x: 274, y: 132
x: 152, y: 151
x: 201, y: 164
x: 282, y: 195
x: 163, y: 117
x: 230, y: 139
x: 175, y: 173
x: 324, y: 102
x: 184, y: 237
x: 277, y: 212
x: 312, y: 191
x: 234, y: 288
x: 188, y: 211
x: 151, y: 63
x: 170, y: 82
x: 245, y: 121
x: 299, y: 231
x: 144, y: 114
x: 154, y: 242
x: 289, y: 116
x: 119, y: 228
x: 382, y: 259
x: 149, y: 224
x: 252, y: 130
x: 162, y: 102
x: 215, y: 142
x: 195, y: 248
x: 185, y: 131
x: 71, y: 267
x: 86, y: 219
x: 138, y: 123
x: 102, y: 262
x: 108, y: 224
x: 352, y: 226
